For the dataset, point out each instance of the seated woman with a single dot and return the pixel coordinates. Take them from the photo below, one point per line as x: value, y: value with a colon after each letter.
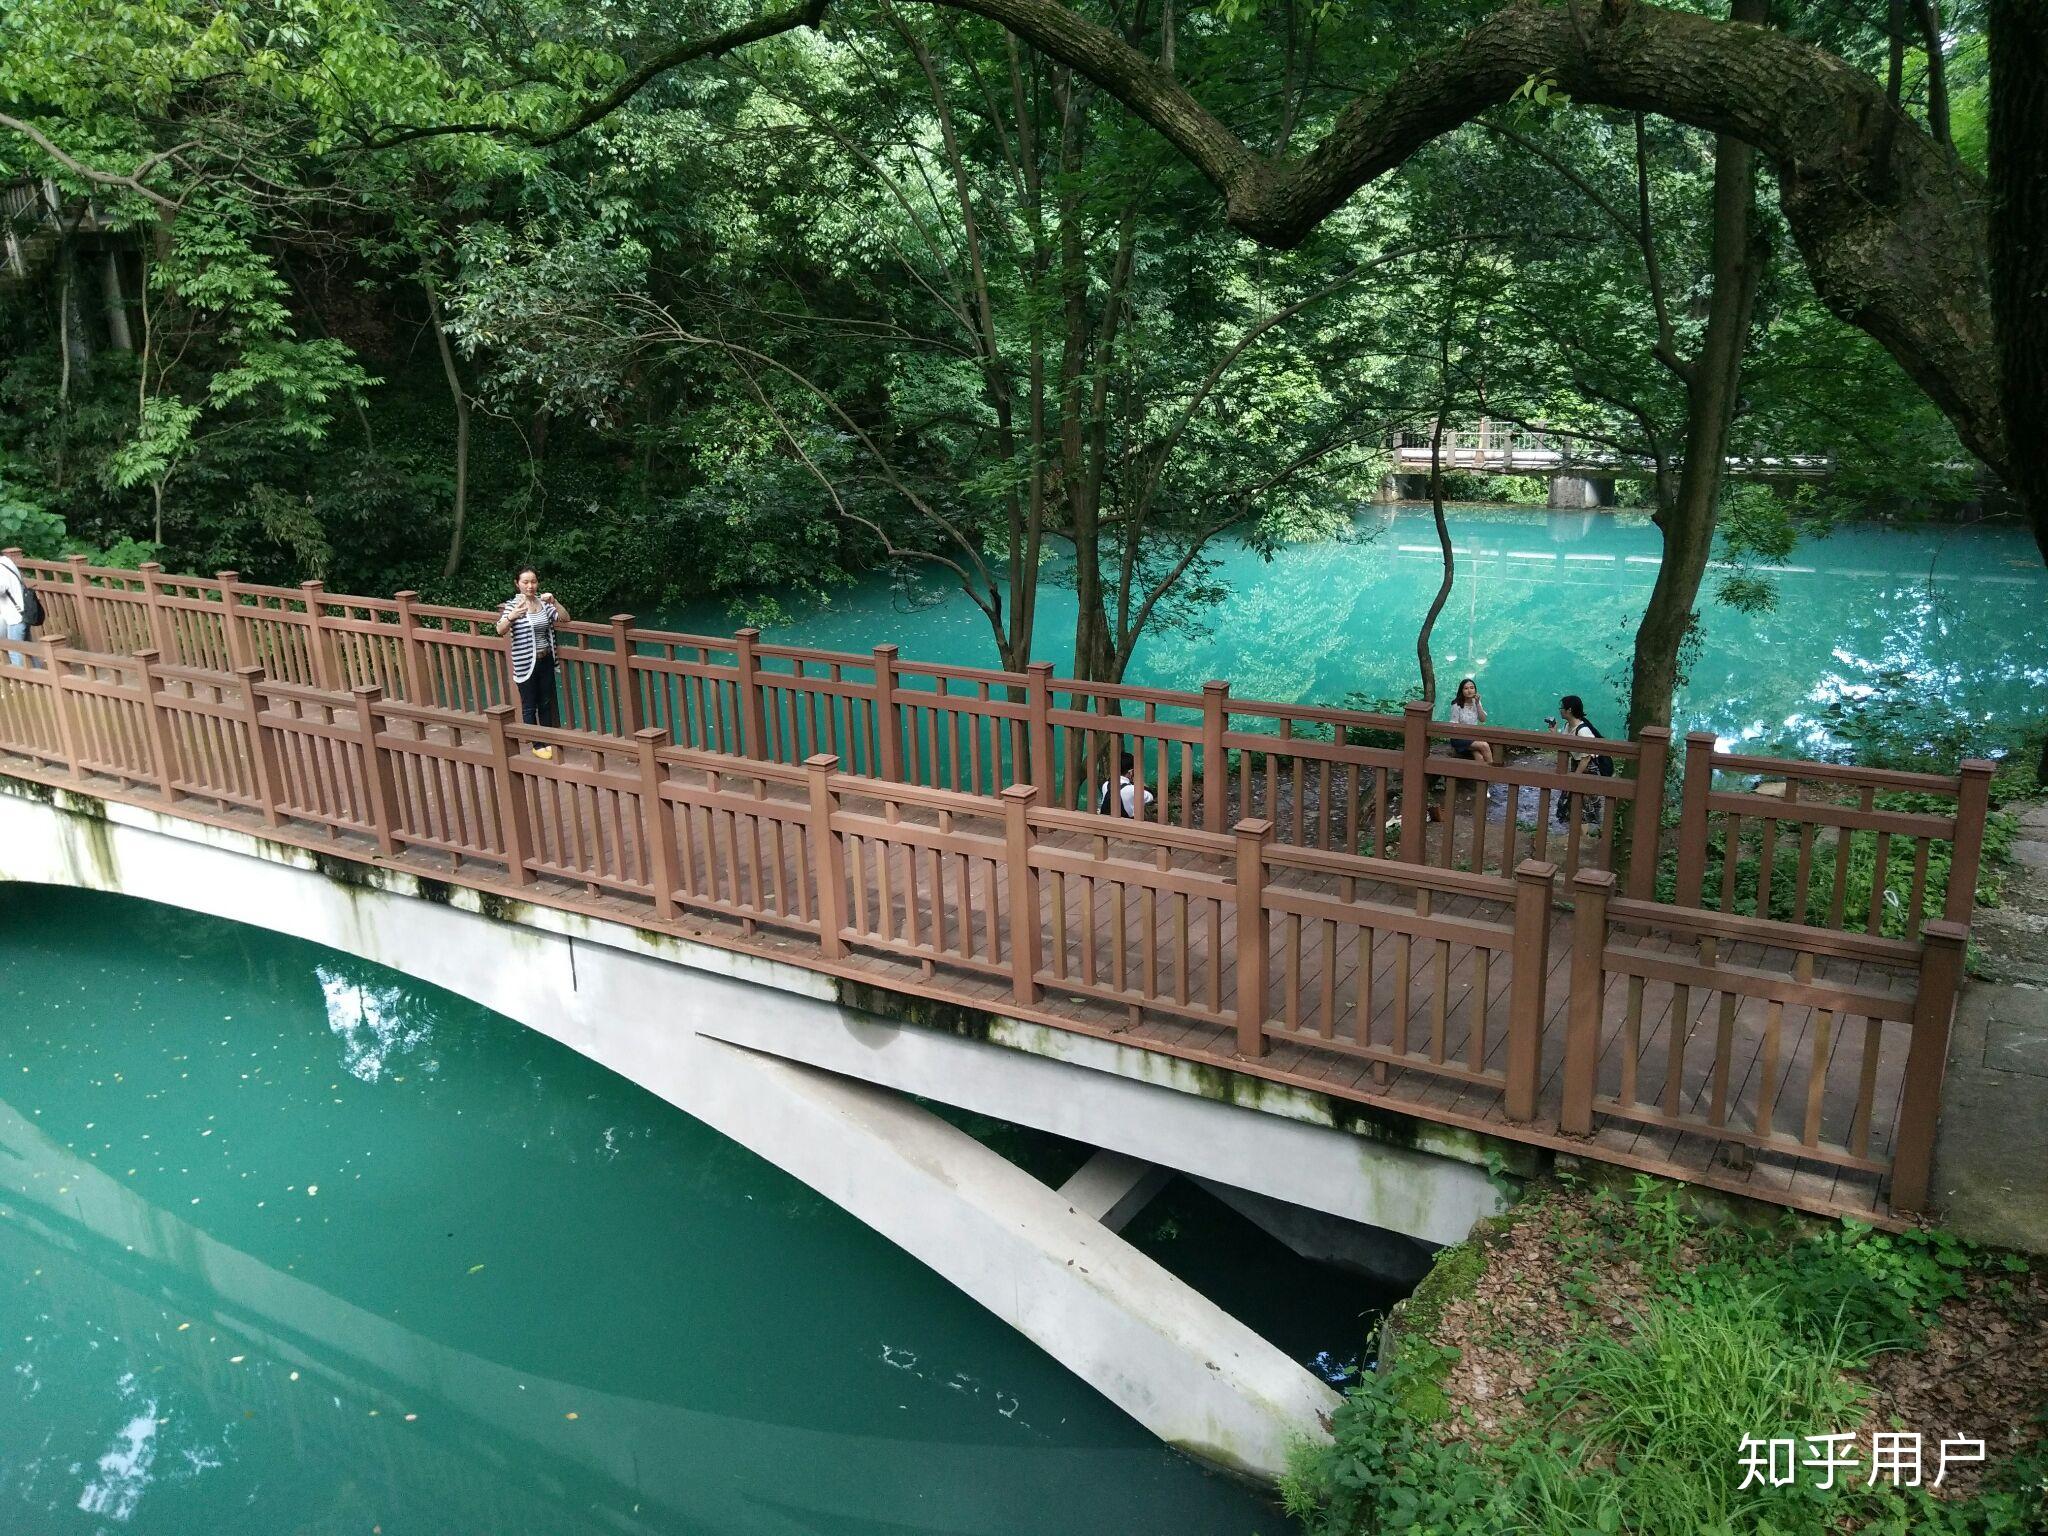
x: 1466, y: 709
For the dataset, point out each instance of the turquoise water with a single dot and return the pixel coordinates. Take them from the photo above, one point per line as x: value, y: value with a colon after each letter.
x: 289, y: 1243
x: 1544, y: 604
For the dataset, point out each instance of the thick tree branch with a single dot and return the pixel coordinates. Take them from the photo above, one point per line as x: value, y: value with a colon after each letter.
x: 650, y: 69
x: 130, y: 181
x: 1892, y: 232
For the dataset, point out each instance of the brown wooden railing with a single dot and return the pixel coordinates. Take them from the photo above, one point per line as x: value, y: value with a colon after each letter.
x: 1325, y: 778
x: 1437, y: 984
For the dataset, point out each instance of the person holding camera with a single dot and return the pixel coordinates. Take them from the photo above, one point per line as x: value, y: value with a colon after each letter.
x: 1575, y: 725
x: 529, y: 616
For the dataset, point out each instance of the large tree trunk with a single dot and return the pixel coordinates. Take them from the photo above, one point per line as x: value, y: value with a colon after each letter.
x: 2019, y: 245
x: 454, y: 560
x: 1688, y: 519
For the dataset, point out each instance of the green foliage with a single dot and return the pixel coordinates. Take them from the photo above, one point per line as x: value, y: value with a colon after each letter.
x: 1637, y: 1427
x: 1859, y: 877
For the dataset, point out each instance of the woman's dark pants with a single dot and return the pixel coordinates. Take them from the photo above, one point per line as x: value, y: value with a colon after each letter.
x: 537, y: 693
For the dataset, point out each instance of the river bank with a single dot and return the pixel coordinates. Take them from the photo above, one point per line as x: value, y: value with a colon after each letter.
x: 1601, y: 1358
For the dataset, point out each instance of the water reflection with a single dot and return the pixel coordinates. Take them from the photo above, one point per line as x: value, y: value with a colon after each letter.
x: 262, y: 1271
x: 372, y: 1022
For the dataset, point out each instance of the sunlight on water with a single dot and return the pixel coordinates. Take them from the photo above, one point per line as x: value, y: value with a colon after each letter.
x: 1545, y: 604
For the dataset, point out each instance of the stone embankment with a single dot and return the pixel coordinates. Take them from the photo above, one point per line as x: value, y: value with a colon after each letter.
x: 1991, y: 1161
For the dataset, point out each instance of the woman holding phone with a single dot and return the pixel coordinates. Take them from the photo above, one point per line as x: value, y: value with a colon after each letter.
x: 529, y: 616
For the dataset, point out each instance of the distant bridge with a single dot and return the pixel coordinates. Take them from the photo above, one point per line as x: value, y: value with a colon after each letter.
x: 1498, y: 449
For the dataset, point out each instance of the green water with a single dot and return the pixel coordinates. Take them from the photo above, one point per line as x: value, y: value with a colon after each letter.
x: 1547, y: 603
x: 289, y: 1243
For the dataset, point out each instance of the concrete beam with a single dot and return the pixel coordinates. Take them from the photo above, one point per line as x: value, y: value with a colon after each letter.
x: 1113, y: 1188
x: 1386, y: 1258
x: 1165, y: 1354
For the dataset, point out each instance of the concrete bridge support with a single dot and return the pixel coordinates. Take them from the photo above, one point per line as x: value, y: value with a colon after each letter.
x: 803, y: 1068
x: 1574, y: 492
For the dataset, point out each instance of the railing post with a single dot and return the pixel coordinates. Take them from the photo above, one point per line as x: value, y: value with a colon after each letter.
x: 1646, y: 812
x: 67, y: 731
x: 1045, y: 773
x: 625, y: 690
x: 753, y: 720
x: 378, y: 781
x: 1941, y: 969
x: 828, y: 855
x: 1590, y: 890
x: 163, y: 642
x: 1026, y: 950
x: 655, y: 825
x: 1215, y: 760
x: 888, y: 727
x: 1252, y: 935
x: 409, y: 647
x: 158, y: 729
x: 1973, y: 804
x: 1535, y: 887
x: 1692, y: 817
x: 231, y: 621
x: 319, y: 643
x: 1414, y: 779
x: 92, y: 635
x: 514, y: 825
x: 263, y: 763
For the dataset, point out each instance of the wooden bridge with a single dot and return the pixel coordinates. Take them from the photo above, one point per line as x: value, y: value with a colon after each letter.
x: 1317, y: 897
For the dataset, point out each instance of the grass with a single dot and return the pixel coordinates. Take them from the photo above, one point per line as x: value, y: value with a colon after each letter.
x: 1635, y: 1425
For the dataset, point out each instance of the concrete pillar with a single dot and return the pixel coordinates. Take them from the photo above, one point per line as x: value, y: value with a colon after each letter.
x: 116, y: 302
x: 1576, y: 492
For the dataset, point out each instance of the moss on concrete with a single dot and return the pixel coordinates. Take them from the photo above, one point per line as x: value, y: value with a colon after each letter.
x: 923, y: 1012
x: 347, y: 873
x: 1453, y: 1277
x: 439, y: 892
x: 502, y: 909
x: 28, y: 789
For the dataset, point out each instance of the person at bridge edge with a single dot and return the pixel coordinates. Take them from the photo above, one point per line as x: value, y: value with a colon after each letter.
x: 1577, y: 726
x: 13, y: 607
x: 530, y: 616
x: 1121, y: 798
x: 1466, y: 709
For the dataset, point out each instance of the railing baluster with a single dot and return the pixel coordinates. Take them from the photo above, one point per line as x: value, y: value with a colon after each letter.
x: 1941, y: 968
x: 1535, y: 889
x: 1590, y: 890
x: 263, y: 762
x: 1252, y: 935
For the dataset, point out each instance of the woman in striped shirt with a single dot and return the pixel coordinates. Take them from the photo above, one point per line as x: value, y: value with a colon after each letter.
x: 530, y: 617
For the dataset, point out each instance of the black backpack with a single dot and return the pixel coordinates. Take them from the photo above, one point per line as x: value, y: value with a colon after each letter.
x: 1599, y: 763
x: 32, y: 613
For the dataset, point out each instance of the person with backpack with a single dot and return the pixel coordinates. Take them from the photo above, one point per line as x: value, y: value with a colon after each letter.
x: 529, y: 616
x: 1577, y: 726
x: 1121, y: 798
x: 20, y: 609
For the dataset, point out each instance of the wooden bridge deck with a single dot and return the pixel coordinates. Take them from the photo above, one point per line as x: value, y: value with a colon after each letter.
x: 1429, y: 1064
